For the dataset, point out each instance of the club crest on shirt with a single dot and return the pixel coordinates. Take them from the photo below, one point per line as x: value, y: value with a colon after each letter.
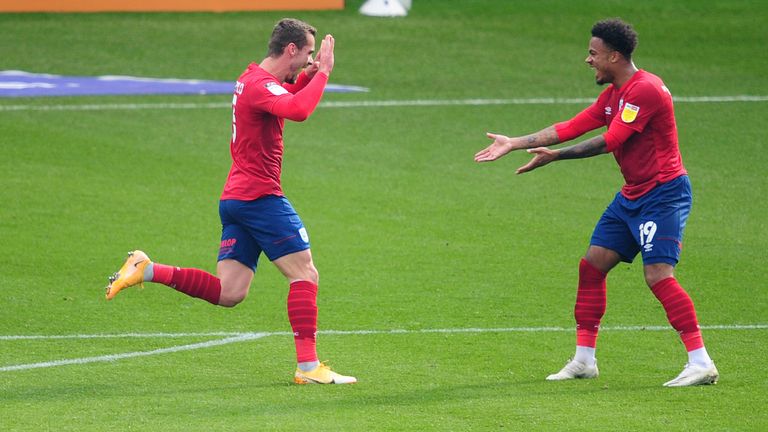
x: 275, y: 88
x: 629, y: 113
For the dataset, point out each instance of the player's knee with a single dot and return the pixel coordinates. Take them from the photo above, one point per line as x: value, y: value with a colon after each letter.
x: 655, y: 273
x: 602, y: 259
x: 230, y: 300
x: 298, y: 266
x: 311, y: 274
x: 308, y: 272
x: 232, y: 295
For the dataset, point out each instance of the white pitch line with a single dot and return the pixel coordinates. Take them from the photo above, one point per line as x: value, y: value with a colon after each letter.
x: 135, y: 335
x: 370, y: 104
x: 241, y: 337
x: 113, y: 357
x: 368, y: 332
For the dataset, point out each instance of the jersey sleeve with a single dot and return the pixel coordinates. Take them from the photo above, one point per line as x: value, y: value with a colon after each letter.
x: 589, y: 119
x: 300, y: 83
x: 277, y: 100
x: 641, y: 103
x: 616, y: 135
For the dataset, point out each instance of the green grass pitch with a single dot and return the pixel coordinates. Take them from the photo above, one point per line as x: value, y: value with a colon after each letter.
x: 407, y: 231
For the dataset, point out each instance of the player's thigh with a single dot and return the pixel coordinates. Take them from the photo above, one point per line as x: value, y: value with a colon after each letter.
x: 276, y: 226
x: 237, y: 242
x: 660, y: 226
x: 279, y: 232
x: 237, y: 260
x: 612, y: 233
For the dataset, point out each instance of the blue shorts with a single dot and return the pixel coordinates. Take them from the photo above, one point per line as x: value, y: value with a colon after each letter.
x: 268, y: 224
x: 652, y: 224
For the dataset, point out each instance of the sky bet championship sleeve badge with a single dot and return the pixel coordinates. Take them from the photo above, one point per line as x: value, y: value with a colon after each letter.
x: 629, y: 113
x: 275, y: 88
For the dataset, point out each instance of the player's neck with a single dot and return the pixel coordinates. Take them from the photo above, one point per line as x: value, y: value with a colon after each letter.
x: 625, y: 74
x: 277, y: 67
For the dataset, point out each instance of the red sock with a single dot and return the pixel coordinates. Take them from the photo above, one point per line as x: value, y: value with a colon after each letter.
x: 680, y: 311
x: 192, y: 282
x: 590, y: 304
x: 302, y: 313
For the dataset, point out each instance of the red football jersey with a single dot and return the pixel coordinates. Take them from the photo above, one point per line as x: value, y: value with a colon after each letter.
x: 260, y: 105
x: 642, y: 111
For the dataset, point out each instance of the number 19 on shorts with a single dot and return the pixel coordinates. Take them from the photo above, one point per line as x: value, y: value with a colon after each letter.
x: 647, y: 231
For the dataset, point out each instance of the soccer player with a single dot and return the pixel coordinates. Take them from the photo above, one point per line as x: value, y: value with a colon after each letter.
x: 647, y: 216
x: 255, y: 215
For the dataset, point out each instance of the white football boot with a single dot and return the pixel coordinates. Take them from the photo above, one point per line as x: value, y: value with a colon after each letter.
x: 575, y: 369
x: 694, y: 374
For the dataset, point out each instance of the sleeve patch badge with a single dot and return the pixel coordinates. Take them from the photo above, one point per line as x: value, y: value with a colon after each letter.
x: 629, y: 113
x: 275, y: 88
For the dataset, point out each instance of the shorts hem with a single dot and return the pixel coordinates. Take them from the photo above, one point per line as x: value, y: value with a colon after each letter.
x: 660, y: 260
x: 286, y: 252
x: 247, y: 264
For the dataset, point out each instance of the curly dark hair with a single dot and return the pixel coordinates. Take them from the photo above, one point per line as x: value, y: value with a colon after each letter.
x: 287, y: 31
x: 616, y: 34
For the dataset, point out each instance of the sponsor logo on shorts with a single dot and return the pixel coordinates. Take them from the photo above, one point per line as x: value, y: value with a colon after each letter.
x: 227, y: 246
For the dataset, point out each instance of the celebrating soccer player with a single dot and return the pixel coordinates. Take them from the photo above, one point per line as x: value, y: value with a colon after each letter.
x: 255, y: 215
x: 647, y: 216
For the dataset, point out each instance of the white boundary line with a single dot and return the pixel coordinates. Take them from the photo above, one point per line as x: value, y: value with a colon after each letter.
x: 242, y: 337
x: 369, y: 104
x: 113, y: 357
x: 369, y: 332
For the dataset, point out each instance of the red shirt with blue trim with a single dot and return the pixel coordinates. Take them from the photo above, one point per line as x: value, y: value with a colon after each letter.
x: 260, y: 105
x: 642, y: 133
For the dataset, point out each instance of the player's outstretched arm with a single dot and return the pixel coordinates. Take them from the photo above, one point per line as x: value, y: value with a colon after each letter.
x: 503, y: 144
x: 542, y: 155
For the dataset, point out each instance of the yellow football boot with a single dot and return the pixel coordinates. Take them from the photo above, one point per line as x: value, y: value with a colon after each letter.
x: 130, y: 274
x: 321, y: 375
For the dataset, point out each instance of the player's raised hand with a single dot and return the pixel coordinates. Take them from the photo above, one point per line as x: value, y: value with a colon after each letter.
x: 541, y: 157
x: 501, y: 145
x: 312, y: 66
x: 325, y: 55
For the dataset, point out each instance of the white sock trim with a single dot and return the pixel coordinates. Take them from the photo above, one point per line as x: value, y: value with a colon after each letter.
x: 585, y: 355
x: 149, y: 272
x: 308, y: 366
x: 699, y: 357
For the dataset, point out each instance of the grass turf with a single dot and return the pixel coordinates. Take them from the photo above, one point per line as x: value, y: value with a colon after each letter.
x: 408, y: 232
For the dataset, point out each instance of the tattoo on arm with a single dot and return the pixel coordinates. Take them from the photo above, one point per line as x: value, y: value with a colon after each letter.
x: 591, y: 147
x: 543, y: 138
